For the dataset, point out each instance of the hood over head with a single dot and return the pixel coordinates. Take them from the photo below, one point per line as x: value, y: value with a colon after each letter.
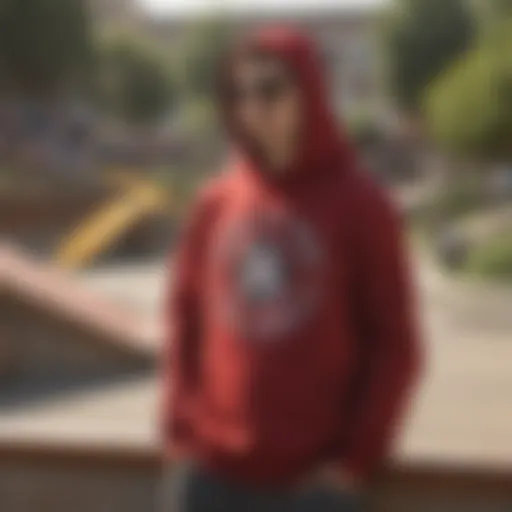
x: 323, y: 144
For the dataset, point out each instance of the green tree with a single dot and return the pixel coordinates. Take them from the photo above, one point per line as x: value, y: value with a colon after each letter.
x: 469, y: 109
x: 44, y: 44
x: 200, y: 55
x: 197, y: 63
x: 135, y: 82
x: 492, y: 10
x: 422, y: 38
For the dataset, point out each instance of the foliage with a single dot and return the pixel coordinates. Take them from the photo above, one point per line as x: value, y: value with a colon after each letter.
x: 198, y: 60
x: 492, y: 259
x: 422, y: 38
x: 363, y: 128
x: 490, y: 11
x: 457, y: 198
x: 200, y: 56
x: 43, y: 43
x: 135, y: 83
x: 469, y: 109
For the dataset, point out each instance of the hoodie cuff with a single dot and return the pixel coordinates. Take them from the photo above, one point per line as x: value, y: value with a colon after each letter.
x: 359, y: 469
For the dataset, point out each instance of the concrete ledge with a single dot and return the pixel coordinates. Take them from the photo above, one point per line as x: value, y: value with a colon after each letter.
x: 414, y: 476
x: 45, y: 290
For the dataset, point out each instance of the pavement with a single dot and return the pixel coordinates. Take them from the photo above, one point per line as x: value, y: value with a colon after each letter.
x: 462, y: 414
x: 463, y: 410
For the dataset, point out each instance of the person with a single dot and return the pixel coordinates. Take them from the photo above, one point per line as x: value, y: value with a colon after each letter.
x: 291, y: 346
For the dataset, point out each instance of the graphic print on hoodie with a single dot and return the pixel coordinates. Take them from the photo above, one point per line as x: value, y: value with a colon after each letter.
x: 271, y: 266
x: 291, y: 335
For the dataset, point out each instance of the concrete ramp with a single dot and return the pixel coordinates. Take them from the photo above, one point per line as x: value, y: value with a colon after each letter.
x: 34, y: 289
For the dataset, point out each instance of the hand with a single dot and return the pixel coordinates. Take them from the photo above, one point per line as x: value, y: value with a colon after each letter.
x: 332, y: 477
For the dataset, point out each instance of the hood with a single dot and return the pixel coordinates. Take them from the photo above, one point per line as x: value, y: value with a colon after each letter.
x: 324, y: 145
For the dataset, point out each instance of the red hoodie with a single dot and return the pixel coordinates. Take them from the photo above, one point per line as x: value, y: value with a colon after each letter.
x: 292, y: 341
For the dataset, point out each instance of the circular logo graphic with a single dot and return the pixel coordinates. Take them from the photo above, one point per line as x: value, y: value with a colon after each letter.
x: 271, y: 271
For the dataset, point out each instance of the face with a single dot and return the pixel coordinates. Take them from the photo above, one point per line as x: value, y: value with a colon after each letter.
x: 266, y: 105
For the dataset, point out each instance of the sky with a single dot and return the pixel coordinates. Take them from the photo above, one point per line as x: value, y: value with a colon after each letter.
x: 183, y: 7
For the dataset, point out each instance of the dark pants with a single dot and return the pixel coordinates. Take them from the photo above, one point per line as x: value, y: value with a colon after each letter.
x: 189, y: 488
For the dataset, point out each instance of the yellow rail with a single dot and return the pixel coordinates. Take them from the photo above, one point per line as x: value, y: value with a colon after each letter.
x: 105, y: 226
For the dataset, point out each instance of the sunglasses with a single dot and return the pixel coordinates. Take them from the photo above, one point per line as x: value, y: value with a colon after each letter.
x: 265, y: 90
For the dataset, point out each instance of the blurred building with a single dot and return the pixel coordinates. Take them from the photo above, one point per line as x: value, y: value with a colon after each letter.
x: 114, y: 11
x: 346, y: 36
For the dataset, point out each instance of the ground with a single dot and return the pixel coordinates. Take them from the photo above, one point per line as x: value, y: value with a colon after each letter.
x: 462, y: 413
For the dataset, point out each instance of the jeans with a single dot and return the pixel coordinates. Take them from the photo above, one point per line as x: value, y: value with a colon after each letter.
x: 190, y: 488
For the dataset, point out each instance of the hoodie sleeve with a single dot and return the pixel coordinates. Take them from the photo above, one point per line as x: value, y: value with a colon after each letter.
x: 389, y: 352
x: 182, y: 330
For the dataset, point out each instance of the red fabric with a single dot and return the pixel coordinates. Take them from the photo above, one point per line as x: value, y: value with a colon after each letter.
x: 292, y: 341
x: 325, y: 144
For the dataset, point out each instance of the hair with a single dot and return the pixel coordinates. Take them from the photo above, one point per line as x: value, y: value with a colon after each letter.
x: 244, y: 52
